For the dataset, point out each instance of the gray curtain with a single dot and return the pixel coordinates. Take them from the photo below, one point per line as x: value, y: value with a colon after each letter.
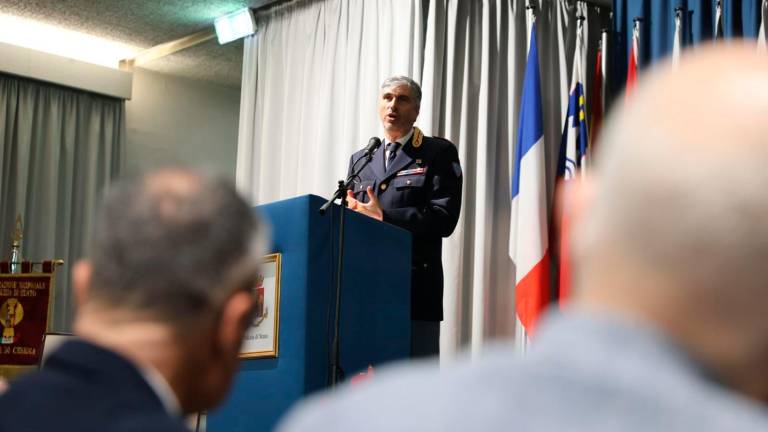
x: 59, y: 149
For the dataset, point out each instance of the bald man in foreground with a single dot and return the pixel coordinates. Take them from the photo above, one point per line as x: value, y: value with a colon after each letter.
x: 668, y: 331
x: 162, y: 307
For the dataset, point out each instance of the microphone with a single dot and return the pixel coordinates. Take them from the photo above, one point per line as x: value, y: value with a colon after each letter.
x: 373, y: 145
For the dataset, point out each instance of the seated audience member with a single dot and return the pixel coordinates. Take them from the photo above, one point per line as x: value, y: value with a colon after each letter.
x: 667, y: 331
x: 162, y: 307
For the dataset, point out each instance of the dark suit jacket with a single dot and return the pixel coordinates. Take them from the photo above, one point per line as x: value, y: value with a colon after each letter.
x: 420, y: 192
x: 84, y: 388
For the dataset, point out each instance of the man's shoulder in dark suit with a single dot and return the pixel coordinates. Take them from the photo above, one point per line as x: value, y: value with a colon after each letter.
x: 84, y: 388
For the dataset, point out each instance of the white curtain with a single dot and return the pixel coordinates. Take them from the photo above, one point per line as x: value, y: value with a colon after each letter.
x: 310, y: 82
x: 310, y: 86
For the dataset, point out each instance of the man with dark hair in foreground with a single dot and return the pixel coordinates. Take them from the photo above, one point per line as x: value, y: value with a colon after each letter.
x: 162, y: 307
x: 668, y: 329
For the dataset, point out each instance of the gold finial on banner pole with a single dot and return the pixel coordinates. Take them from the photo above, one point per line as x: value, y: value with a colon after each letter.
x: 16, y: 236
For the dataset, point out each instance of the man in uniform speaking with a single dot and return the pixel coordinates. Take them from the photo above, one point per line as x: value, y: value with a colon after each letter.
x: 413, y: 182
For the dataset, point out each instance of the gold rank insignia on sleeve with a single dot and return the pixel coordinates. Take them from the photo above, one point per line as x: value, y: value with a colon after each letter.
x: 418, y: 136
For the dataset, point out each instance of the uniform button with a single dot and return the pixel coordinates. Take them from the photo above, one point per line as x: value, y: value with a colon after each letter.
x: 407, y: 182
x: 383, y: 186
x: 425, y: 265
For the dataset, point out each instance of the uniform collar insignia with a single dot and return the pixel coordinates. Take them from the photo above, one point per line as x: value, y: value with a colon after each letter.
x: 418, y: 136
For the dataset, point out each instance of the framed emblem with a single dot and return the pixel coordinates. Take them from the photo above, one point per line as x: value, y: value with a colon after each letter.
x: 261, y: 338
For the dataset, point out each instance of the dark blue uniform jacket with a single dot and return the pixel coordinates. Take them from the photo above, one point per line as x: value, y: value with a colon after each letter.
x: 420, y: 192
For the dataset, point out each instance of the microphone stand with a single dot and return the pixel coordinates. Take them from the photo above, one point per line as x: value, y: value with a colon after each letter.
x: 341, y: 193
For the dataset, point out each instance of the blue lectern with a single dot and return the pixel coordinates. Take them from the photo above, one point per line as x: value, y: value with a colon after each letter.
x: 375, y: 309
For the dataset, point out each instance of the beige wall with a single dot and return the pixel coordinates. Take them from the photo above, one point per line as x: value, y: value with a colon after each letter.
x: 172, y: 120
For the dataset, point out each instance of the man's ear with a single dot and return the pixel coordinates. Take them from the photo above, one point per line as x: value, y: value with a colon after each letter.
x: 235, y: 319
x: 82, y: 276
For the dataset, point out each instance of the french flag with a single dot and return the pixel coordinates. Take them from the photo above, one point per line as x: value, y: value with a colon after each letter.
x: 529, y: 241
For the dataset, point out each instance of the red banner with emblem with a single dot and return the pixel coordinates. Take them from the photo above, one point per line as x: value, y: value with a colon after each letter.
x: 25, y: 301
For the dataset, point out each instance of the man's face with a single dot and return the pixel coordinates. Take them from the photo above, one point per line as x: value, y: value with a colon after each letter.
x: 218, y: 351
x: 398, y: 109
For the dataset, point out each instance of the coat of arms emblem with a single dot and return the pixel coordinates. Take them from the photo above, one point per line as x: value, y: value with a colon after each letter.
x: 261, y: 310
x: 11, y: 314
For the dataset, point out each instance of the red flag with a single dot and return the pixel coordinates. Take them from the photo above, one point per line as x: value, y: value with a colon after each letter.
x: 362, y: 376
x: 596, y: 113
x: 632, y: 68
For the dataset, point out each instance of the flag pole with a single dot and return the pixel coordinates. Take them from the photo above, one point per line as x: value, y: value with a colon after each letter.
x: 719, y: 31
x: 529, y: 242
x: 761, y: 42
x: 605, y: 57
x: 636, y: 23
x: 677, y: 43
x: 530, y: 9
x: 634, y: 59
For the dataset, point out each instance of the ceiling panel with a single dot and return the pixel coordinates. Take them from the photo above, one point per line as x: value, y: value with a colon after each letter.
x: 146, y: 23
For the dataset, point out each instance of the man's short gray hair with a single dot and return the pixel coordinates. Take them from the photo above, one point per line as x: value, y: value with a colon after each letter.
x: 399, y: 80
x: 169, y: 246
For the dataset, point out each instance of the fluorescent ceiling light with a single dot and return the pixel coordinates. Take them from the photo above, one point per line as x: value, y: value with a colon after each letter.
x: 66, y: 43
x: 235, y: 26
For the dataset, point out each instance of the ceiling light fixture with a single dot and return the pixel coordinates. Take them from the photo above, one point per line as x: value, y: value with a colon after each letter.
x: 235, y: 26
